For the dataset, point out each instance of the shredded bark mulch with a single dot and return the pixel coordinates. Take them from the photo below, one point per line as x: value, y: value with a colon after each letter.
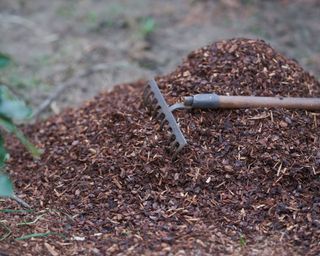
x: 248, y: 182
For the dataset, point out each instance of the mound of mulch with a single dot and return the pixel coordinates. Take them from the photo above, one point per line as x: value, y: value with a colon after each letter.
x: 248, y: 182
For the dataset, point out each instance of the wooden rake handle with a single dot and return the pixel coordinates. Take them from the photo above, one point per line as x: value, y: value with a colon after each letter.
x: 229, y: 102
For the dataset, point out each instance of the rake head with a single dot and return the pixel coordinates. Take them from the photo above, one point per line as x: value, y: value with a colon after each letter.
x: 159, y: 109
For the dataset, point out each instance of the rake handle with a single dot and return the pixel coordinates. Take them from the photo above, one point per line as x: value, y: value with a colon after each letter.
x: 230, y: 102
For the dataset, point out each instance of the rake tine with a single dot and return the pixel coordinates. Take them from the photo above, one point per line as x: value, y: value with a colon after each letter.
x: 162, y: 123
x: 173, y: 145
x: 146, y: 96
x: 155, y: 111
x: 178, y: 149
x: 174, y: 149
x: 160, y: 115
x: 145, y: 93
x: 172, y: 137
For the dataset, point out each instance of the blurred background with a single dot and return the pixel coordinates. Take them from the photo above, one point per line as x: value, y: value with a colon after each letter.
x: 55, y: 54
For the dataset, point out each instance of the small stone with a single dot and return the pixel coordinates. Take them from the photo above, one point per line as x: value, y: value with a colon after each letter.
x: 288, y: 120
x: 283, y: 124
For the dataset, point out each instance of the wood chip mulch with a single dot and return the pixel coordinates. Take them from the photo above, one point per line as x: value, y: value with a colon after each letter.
x: 248, y: 182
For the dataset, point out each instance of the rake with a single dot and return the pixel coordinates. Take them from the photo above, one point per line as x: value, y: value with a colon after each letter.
x: 160, y: 110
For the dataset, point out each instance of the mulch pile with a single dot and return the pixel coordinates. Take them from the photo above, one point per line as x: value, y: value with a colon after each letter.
x: 248, y: 182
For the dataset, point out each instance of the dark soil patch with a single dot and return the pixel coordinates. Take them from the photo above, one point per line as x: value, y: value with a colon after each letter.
x: 248, y: 182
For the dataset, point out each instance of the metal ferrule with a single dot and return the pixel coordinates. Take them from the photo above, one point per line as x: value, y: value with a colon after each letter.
x: 205, y: 100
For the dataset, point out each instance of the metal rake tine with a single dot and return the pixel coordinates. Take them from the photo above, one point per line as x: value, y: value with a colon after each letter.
x: 149, y: 98
x: 160, y: 115
x: 162, y: 123
x: 173, y: 145
x: 155, y: 111
x: 172, y: 137
x: 152, y: 103
x: 177, y: 150
x: 145, y: 92
x: 146, y: 96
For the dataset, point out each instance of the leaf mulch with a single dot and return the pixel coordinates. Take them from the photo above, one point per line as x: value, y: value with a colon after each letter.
x: 248, y: 182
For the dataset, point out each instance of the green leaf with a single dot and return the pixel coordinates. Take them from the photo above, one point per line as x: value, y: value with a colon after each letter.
x: 35, y: 152
x: 3, y: 152
x: 242, y: 241
x: 6, y: 187
x: 11, y: 128
x: 5, y: 60
x: 147, y: 26
x: 7, y: 124
x: 11, y: 107
x: 15, y: 211
x: 16, y: 110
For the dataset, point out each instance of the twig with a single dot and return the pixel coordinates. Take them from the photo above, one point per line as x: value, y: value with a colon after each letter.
x: 20, y: 201
x: 18, y: 20
x: 9, y: 232
x: 63, y: 86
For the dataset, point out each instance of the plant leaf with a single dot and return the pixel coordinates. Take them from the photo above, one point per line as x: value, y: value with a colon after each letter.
x: 16, y: 110
x: 3, y: 152
x: 4, y: 60
x: 147, y: 26
x: 9, y: 126
x: 11, y: 107
x: 35, y: 152
x: 6, y: 187
x: 15, y: 211
x: 242, y: 241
